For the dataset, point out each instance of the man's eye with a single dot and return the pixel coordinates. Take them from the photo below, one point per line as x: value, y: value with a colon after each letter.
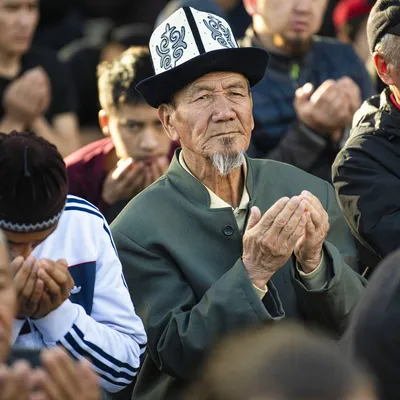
x: 204, y: 97
x: 237, y: 94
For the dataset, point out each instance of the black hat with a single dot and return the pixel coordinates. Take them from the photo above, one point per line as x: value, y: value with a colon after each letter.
x: 33, y: 183
x: 384, y: 18
x: 190, y: 44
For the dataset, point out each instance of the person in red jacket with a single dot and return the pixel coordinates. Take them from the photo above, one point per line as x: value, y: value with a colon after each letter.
x: 136, y: 151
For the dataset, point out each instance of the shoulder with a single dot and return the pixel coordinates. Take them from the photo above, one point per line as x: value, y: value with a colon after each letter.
x: 82, y: 212
x: 90, y: 153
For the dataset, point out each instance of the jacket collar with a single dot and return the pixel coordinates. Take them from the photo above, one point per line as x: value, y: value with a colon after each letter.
x: 192, y: 188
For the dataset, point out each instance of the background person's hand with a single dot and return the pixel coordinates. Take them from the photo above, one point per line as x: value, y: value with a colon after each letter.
x: 269, y: 240
x: 58, y: 283
x: 16, y: 381
x: 327, y: 109
x: 308, y: 249
x: 28, y: 287
x: 27, y: 97
x: 60, y: 378
x: 125, y: 182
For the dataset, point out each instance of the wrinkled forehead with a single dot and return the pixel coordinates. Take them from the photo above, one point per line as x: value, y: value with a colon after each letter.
x: 216, y: 81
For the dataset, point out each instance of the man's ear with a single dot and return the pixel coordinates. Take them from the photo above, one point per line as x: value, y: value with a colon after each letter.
x: 165, y: 116
x: 383, y: 68
x: 250, y: 6
x: 103, y: 121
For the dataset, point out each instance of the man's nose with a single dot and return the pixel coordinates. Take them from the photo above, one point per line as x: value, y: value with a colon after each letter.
x: 222, y: 110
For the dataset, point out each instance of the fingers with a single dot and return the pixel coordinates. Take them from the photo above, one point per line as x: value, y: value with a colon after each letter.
x: 269, y: 217
x: 304, y: 93
x: 282, y: 219
x: 299, y: 232
x: 56, y: 278
x: 37, y: 294
x: 16, y: 264
x: 290, y: 227
x: 254, y: 219
x: 25, y: 276
x: 123, y: 167
x: 62, y: 371
x: 315, y: 207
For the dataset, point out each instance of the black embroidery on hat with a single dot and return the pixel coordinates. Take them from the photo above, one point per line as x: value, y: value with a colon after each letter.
x: 195, y: 29
x: 219, y: 31
x: 171, y: 47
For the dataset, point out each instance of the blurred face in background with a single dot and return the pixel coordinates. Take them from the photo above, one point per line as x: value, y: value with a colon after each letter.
x: 291, y: 23
x: 136, y: 132
x: 18, y: 22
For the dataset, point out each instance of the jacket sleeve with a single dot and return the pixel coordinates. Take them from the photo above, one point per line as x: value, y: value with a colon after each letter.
x: 113, y: 336
x: 180, y: 326
x: 299, y: 146
x: 367, y: 194
x: 332, y: 305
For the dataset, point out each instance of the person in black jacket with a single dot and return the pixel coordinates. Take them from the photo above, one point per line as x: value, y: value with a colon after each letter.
x: 311, y: 89
x: 366, y: 173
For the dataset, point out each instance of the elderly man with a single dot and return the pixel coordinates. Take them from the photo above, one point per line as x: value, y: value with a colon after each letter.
x: 223, y: 242
x: 366, y: 172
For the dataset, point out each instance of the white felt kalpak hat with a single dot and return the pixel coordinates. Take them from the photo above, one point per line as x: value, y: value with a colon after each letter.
x: 190, y: 44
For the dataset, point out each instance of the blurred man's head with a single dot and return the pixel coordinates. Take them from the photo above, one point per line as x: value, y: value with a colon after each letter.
x: 132, y: 124
x: 18, y: 22
x: 8, y: 300
x: 33, y: 190
x: 280, y: 363
x: 383, y: 30
x: 289, y: 24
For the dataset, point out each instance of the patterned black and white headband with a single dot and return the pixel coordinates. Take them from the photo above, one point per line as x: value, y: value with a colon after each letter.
x: 27, y: 228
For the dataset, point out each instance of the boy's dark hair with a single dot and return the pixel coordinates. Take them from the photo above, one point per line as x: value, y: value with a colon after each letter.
x: 117, y: 79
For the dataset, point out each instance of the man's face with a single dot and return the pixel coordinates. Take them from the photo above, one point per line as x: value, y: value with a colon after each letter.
x: 22, y: 244
x: 137, y: 132
x: 8, y: 303
x: 213, y: 115
x: 291, y: 21
x: 18, y: 21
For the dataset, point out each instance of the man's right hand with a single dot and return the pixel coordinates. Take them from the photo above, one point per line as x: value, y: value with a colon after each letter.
x: 125, y: 182
x: 329, y: 108
x: 16, y: 381
x: 29, y: 288
x: 269, y: 240
x: 27, y: 97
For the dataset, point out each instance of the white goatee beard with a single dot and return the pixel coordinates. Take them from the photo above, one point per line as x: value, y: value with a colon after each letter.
x: 225, y: 163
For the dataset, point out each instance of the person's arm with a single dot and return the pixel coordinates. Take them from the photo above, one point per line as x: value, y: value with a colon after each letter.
x: 366, y: 190
x: 331, y: 305
x: 112, y: 337
x: 63, y: 132
x: 181, y: 327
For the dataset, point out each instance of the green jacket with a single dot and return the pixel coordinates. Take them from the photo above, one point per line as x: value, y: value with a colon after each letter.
x: 182, y: 262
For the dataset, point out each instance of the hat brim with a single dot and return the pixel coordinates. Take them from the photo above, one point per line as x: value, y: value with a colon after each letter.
x: 248, y: 61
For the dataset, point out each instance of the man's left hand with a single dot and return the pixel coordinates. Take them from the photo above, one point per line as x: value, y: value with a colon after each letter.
x: 308, y: 249
x: 58, y: 283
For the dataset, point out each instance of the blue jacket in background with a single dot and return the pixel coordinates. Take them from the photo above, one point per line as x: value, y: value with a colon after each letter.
x: 278, y: 134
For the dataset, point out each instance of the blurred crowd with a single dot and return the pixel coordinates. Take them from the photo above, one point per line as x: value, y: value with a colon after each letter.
x: 198, y: 199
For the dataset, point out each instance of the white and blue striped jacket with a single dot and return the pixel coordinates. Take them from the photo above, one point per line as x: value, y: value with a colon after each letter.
x: 98, y: 321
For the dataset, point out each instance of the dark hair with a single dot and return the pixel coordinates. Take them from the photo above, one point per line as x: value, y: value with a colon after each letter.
x: 280, y: 362
x: 33, y: 179
x: 117, y: 79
